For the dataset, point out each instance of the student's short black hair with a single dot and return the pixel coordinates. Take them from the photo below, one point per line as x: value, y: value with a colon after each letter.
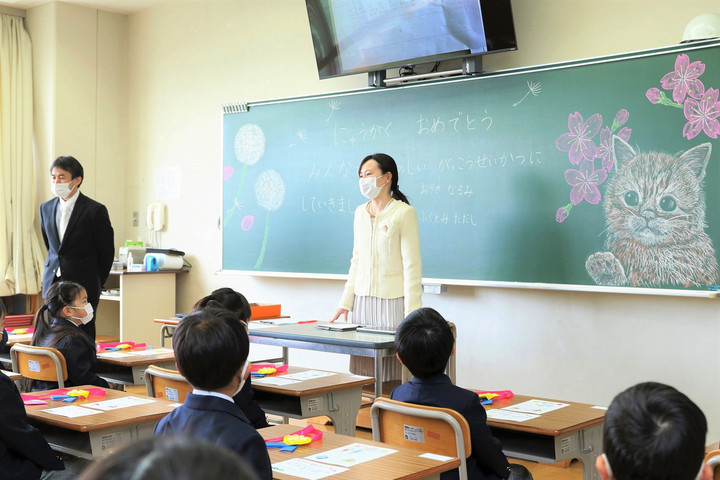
x: 424, y: 342
x: 178, y: 458
x: 654, y: 431
x: 227, y: 298
x: 3, y: 310
x: 69, y: 164
x: 210, y: 347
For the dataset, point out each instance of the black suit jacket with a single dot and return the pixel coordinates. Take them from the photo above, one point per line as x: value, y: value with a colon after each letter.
x: 220, y: 422
x: 24, y: 453
x: 86, y: 253
x: 487, y: 460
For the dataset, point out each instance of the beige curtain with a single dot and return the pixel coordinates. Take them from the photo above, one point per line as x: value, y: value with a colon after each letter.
x: 21, y: 256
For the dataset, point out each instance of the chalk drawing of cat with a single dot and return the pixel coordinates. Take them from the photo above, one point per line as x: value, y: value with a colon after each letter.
x: 655, y: 218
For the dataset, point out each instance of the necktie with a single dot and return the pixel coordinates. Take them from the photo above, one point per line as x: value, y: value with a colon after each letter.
x: 64, y: 218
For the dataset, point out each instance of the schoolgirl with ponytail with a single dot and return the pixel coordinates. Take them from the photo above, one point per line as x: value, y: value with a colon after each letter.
x: 228, y: 299
x: 385, y: 278
x: 57, y: 326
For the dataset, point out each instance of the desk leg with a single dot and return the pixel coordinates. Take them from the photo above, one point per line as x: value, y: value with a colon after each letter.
x: 590, y: 447
x: 378, y: 374
x: 285, y: 356
x: 343, y: 407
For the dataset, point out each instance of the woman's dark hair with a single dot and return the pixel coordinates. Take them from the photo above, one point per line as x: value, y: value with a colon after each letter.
x: 387, y: 164
x: 59, y: 295
x: 3, y: 310
x: 174, y: 457
x: 69, y: 164
x: 210, y: 347
x: 229, y: 299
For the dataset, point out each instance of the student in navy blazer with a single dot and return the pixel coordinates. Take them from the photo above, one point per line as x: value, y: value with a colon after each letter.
x: 85, y: 254
x: 211, y: 350
x: 424, y: 343
x: 237, y: 303
x: 57, y: 325
x: 24, y: 453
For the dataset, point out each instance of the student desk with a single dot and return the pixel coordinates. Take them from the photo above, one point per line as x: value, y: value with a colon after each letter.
x: 24, y: 338
x: 570, y: 432
x: 168, y: 326
x: 91, y: 436
x: 126, y: 368
x: 406, y: 463
x: 307, y: 337
x: 338, y: 396
x: 12, y: 375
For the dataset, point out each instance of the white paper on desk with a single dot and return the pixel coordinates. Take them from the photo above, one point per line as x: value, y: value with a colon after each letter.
x: 256, y: 325
x: 123, y: 402
x: 503, y: 414
x: 71, y: 411
x: 299, y: 467
x: 279, y: 381
x: 308, y: 375
x: 536, y: 406
x: 114, y: 355
x: 352, y: 454
x: 278, y: 321
x: 154, y: 351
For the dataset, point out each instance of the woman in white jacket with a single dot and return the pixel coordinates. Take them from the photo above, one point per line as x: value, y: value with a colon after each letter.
x: 384, y: 282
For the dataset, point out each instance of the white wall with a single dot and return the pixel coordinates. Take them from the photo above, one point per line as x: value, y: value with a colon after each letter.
x: 187, y: 58
x: 80, y: 82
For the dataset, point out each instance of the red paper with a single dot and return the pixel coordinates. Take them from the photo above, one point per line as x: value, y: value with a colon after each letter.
x: 308, y: 431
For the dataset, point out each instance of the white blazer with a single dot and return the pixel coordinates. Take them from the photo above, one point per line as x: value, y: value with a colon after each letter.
x: 386, y: 259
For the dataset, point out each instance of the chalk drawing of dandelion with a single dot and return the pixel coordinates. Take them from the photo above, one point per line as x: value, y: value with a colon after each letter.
x: 334, y: 105
x: 302, y: 137
x: 270, y: 194
x: 249, y: 148
x: 533, y: 87
x: 249, y: 144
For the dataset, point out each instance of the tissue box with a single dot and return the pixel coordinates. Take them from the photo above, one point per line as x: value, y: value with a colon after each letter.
x: 264, y: 310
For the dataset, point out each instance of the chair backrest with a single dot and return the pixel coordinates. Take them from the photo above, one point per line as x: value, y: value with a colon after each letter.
x: 713, y: 459
x: 39, y: 363
x: 166, y: 383
x: 432, y: 429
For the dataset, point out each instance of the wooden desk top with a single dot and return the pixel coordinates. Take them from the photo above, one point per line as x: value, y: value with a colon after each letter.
x: 12, y: 375
x: 406, y: 464
x: 311, y: 386
x: 104, y: 418
x: 174, y: 321
x: 167, y: 321
x: 137, y: 357
x: 24, y: 338
x: 558, y: 422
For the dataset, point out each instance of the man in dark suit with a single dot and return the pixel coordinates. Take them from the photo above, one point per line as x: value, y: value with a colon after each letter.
x: 77, y: 233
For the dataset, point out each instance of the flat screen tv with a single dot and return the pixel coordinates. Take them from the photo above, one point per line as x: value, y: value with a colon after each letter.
x: 370, y: 35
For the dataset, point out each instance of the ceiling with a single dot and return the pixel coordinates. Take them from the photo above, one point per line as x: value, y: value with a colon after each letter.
x: 120, y: 6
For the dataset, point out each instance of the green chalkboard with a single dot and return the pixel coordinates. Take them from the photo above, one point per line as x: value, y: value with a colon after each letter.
x: 486, y: 161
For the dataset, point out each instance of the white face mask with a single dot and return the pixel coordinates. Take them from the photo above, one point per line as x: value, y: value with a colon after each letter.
x: 88, y: 313
x: 62, y: 190
x: 242, y: 382
x: 369, y: 188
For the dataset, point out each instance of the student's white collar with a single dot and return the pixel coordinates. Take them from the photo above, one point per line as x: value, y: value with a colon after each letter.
x: 612, y: 477
x: 212, y: 394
